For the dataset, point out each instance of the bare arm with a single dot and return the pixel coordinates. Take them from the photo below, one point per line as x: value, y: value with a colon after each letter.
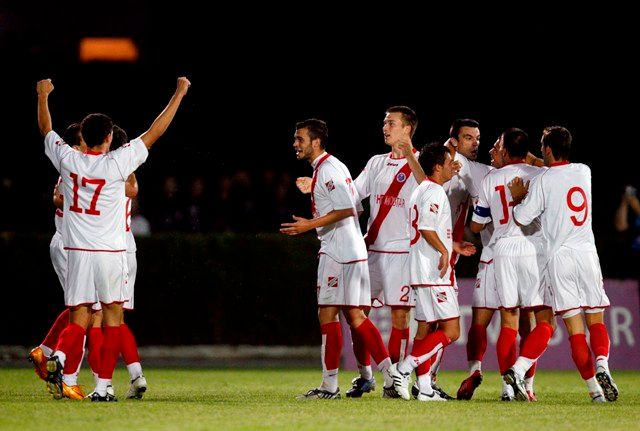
x: 534, y: 161
x: 161, y: 123
x: 43, y: 88
x: 131, y: 186
x: 302, y: 225
x: 434, y: 241
x: 476, y: 227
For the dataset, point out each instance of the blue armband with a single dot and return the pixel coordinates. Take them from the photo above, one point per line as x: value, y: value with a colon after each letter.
x: 482, y: 211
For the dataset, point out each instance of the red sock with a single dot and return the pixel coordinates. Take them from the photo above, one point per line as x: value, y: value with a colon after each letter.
x: 531, y: 371
x: 109, y: 352
x: 599, y: 338
x: 331, y: 345
x: 51, y: 340
x: 71, y: 342
x: 395, y: 344
x: 429, y: 344
x: 128, y: 345
x: 537, y: 341
x: 506, y: 348
x: 359, y: 350
x: 582, y: 356
x: 476, y: 342
x: 95, y: 347
x: 372, y: 340
x: 423, y: 368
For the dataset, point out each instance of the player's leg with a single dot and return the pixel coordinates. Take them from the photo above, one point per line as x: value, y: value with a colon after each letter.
x: 129, y: 346
x: 599, y: 340
x: 41, y: 354
x: 476, y: 347
x: 527, y: 320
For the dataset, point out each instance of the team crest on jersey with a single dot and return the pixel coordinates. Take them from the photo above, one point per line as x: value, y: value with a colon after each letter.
x: 329, y: 185
x: 401, y: 177
x: 332, y: 282
x: 441, y: 296
x: 434, y: 208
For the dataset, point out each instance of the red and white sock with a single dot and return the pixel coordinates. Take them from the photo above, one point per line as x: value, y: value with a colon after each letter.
x: 476, y: 346
x: 506, y: 348
x: 362, y: 355
x: 109, y: 352
x: 581, y: 356
x: 372, y: 340
x: 95, y: 349
x: 424, y: 350
x: 398, y: 344
x: 599, y: 338
x: 129, y: 350
x: 534, y: 346
x: 50, y: 342
x: 330, y: 352
x: 70, y: 345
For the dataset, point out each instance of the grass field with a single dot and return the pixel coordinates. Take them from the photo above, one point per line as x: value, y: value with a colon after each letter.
x: 198, y: 399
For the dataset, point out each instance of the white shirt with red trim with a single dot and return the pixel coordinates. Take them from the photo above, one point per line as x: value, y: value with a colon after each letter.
x: 93, y: 190
x: 561, y: 196
x: 430, y: 210
x: 495, y: 202
x: 332, y: 189
x: 388, y: 183
x: 131, y: 241
x: 59, y: 214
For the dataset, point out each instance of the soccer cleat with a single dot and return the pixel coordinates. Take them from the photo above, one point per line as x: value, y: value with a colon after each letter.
x: 607, y: 384
x: 433, y: 396
x: 517, y: 383
x: 138, y: 388
x: 390, y: 392
x: 400, y: 381
x: 320, y: 394
x: 110, y: 391
x: 469, y: 385
x: 54, y: 377
x: 361, y: 385
x: 597, y: 397
x: 415, y: 390
x: 441, y: 391
x: 74, y: 392
x: 507, y: 392
x: 96, y: 397
x: 532, y: 396
x: 39, y: 361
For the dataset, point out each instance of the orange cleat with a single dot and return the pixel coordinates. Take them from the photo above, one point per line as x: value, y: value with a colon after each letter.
x: 74, y: 392
x: 39, y: 361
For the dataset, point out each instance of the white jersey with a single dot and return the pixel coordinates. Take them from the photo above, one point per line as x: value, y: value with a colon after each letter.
x: 429, y: 211
x: 332, y: 189
x: 93, y: 190
x: 59, y: 214
x: 561, y: 196
x: 389, y: 183
x: 131, y: 241
x: 495, y: 202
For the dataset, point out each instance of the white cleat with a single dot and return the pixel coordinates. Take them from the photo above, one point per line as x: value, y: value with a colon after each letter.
x: 138, y: 388
x: 400, y: 381
x: 433, y: 396
x: 597, y: 397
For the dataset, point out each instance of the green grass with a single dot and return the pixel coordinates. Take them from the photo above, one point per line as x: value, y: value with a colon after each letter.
x: 265, y: 399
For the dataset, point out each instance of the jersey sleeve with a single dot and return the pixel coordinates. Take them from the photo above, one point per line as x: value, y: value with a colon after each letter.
x: 430, y: 207
x: 482, y: 210
x: 532, y: 205
x: 477, y: 172
x: 362, y: 182
x: 130, y: 156
x: 338, y: 188
x: 55, y: 148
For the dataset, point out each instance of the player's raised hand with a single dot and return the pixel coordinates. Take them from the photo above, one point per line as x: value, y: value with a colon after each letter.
x: 404, y: 145
x: 464, y: 248
x: 183, y: 85
x: 304, y: 184
x: 456, y: 165
x: 300, y: 225
x: 518, y: 189
x: 44, y: 87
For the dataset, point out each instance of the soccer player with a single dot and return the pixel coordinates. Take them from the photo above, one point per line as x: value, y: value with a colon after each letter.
x: 343, y: 273
x: 561, y: 198
x: 518, y: 254
x: 431, y: 275
x: 388, y: 180
x: 92, y: 233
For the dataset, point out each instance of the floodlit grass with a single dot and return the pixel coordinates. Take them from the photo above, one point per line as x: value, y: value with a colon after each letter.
x: 185, y: 399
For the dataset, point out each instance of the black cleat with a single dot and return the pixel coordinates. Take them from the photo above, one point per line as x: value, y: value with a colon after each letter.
x: 320, y: 394
x: 361, y: 385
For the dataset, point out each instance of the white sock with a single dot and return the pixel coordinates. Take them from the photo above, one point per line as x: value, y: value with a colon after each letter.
x: 384, y: 365
x: 95, y: 377
x: 407, y: 366
x: 603, y: 362
x: 528, y: 384
x: 330, y: 380
x: 62, y: 357
x: 522, y: 365
x: 593, y: 386
x: 135, y: 370
x: 424, y: 383
x: 474, y: 366
x: 101, y: 386
x: 70, y: 379
x: 365, y: 371
x: 46, y: 350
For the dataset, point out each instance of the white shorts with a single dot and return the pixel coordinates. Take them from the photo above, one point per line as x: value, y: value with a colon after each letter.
x: 95, y: 276
x: 58, y: 257
x: 485, y: 294
x: 132, y: 264
x: 389, y: 273
x: 517, y: 262
x: 343, y: 284
x: 436, y: 303
x: 576, y: 280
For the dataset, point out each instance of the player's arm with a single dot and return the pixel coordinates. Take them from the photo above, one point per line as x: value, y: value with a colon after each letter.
x: 161, y: 123
x: 131, y: 186
x: 434, y: 241
x: 301, y: 225
x: 44, y: 88
x: 57, y: 197
x: 534, y: 161
x: 412, y: 160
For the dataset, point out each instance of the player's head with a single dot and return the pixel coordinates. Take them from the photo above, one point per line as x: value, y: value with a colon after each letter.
x: 73, y: 138
x: 436, y: 162
x: 464, y: 135
x: 557, y: 141
x: 96, y: 129
x: 515, y: 144
x: 399, y: 122
x: 497, y: 154
x: 310, y: 139
x: 119, y: 138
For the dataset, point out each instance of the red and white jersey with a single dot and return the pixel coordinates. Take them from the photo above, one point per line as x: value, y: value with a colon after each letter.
x: 131, y: 241
x: 389, y: 183
x: 429, y: 211
x: 495, y: 202
x: 332, y: 189
x: 561, y: 196
x: 93, y: 190
x: 59, y: 214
